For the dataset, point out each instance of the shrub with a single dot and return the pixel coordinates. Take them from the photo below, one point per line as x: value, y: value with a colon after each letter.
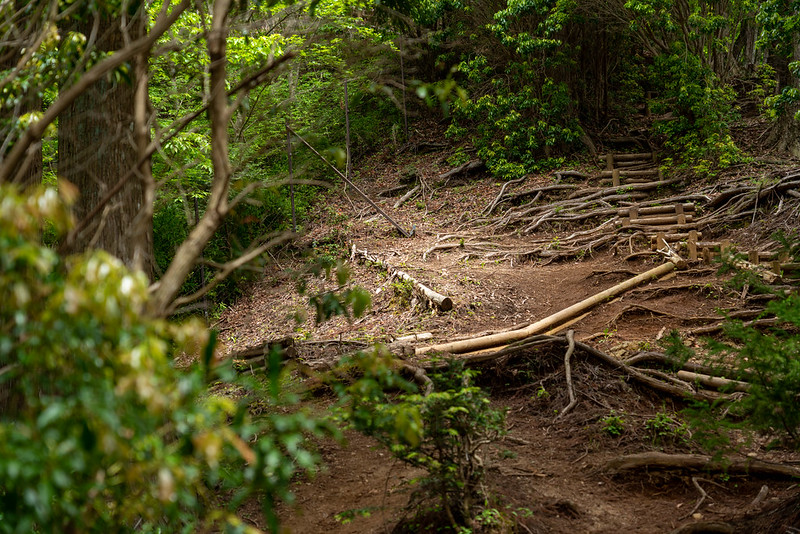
x: 99, y: 432
x: 442, y: 432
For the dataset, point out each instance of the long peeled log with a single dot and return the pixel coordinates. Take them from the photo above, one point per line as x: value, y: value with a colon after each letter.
x: 503, y: 338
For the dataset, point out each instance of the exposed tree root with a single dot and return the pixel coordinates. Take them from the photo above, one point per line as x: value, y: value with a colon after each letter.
x: 536, y: 344
x: 568, y: 372
x: 699, y: 462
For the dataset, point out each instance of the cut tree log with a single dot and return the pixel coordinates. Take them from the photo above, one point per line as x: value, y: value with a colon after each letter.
x: 437, y: 299
x: 504, y: 338
x: 656, y: 210
x: 257, y: 356
x: 627, y: 157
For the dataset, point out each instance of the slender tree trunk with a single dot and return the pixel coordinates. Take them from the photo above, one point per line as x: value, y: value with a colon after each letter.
x: 98, y: 142
x: 22, y: 36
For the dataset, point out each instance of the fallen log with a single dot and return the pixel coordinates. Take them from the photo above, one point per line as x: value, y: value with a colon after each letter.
x: 405, y: 197
x: 256, y: 357
x: 700, y: 462
x: 413, y: 337
x: 504, y: 338
x: 713, y: 381
x: 466, y: 168
x: 440, y: 301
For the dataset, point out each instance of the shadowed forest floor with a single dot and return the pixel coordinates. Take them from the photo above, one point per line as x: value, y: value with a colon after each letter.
x: 547, y: 473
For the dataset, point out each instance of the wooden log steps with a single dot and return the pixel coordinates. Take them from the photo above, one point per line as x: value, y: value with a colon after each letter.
x: 613, y: 160
x: 625, y: 173
x: 655, y: 210
x: 675, y: 216
x: 660, y: 221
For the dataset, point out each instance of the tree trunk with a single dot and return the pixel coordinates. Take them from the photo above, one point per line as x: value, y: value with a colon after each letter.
x: 785, y: 134
x: 97, y: 145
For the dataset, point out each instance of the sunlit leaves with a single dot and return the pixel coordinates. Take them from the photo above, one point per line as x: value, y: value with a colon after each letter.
x: 109, y: 434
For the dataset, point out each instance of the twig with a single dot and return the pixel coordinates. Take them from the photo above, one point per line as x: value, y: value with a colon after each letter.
x: 700, y: 501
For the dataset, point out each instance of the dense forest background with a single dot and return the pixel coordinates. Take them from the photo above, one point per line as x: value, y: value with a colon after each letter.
x: 178, y: 135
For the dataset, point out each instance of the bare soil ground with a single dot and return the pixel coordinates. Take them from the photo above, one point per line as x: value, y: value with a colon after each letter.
x: 547, y: 474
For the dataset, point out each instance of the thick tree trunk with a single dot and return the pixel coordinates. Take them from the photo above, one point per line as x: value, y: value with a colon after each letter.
x: 785, y: 134
x: 97, y: 145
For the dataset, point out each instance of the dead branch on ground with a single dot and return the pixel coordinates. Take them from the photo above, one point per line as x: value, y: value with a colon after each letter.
x: 430, y: 296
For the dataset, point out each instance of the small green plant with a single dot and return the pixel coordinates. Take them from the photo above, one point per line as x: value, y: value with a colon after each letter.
x: 608, y: 333
x: 613, y: 424
x: 460, y: 157
x: 507, y: 454
x: 402, y: 292
x: 542, y: 393
x: 442, y: 432
x: 348, y: 516
x: 666, y: 430
x: 489, y: 517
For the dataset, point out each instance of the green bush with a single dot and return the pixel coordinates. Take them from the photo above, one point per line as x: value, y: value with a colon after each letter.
x: 442, y: 432
x: 701, y: 110
x: 99, y: 432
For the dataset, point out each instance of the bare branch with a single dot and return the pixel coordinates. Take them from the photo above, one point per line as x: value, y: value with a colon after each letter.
x: 228, y: 268
x: 165, y: 291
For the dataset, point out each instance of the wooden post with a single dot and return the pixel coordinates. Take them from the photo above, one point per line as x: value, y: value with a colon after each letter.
x: 633, y: 213
x: 752, y: 257
x: 692, y: 245
x: 776, y: 267
x: 609, y: 162
x: 615, y: 177
x: 661, y: 240
x: 706, y: 255
x: 680, y: 214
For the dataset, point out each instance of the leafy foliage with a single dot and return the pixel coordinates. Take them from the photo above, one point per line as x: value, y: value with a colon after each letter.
x: 108, y: 435
x: 442, y: 432
x: 699, y: 108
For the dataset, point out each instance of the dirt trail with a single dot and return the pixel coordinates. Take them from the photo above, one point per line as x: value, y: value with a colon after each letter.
x: 546, y: 473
